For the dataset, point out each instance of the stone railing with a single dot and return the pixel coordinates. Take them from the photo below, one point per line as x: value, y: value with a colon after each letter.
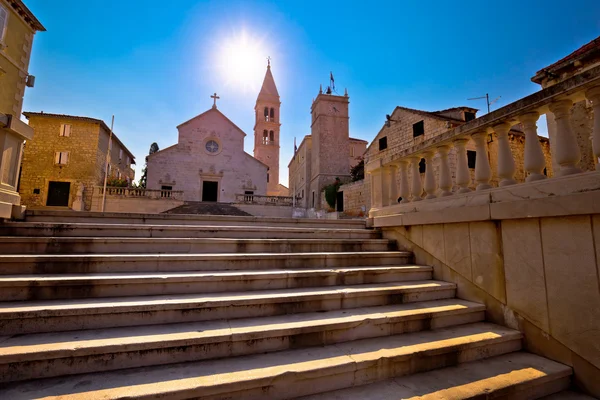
x: 140, y: 193
x: 557, y: 99
x: 264, y: 200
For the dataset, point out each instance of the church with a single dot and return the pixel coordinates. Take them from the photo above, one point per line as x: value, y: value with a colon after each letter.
x: 209, y: 163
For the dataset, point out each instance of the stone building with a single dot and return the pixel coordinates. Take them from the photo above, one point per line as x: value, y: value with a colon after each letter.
x: 68, y: 155
x: 18, y: 25
x: 320, y: 157
x: 581, y: 113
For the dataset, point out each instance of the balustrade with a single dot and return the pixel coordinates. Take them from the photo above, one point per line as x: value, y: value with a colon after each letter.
x: 593, y: 95
x: 264, y: 200
x: 506, y: 162
x: 416, y: 188
x: 430, y: 185
x: 445, y: 178
x: 140, y: 193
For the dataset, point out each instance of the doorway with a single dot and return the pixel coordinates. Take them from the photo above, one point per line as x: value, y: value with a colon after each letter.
x: 339, y: 202
x: 210, y: 191
x: 58, y: 194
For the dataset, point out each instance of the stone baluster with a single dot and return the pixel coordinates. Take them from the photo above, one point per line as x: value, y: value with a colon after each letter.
x: 416, y: 188
x: 463, y: 176
x: 567, y: 151
x: 404, y: 190
x: 483, y: 172
x: 385, y: 186
x: 445, y: 179
x: 506, y: 162
x: 376, y: 199
x: 393, y: 184
x: 593, y: 95
x: 430, y: 184
x: 534, y: 156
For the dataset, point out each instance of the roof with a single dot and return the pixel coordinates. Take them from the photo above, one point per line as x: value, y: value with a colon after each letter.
x: 431, y: 114
x: 268, y: 89
x: 21, y: 9
x: 587, y: 50
x: 357, y: 140
x: 29, y: 114
x: 220, y: 113
x: 455, y: 109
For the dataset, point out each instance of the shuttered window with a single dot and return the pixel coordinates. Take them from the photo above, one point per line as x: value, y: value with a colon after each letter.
x: 61, y: 157
x: 65, y: 130
x: 3, y: 22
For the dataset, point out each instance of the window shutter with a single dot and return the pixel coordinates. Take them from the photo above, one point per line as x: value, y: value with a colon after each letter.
x: 62, y: 130
x: 57, y: 157
x: 67, y: 130
x: 3, y: 20
x: 65, y: 157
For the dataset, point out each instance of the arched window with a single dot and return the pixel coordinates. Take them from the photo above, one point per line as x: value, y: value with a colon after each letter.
x: 265, y: 137
x: 272, y: 136
x: 266, y: 113
x: 272, y: 114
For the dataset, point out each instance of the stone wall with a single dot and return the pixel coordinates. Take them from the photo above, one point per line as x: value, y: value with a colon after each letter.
x: 357, y: 198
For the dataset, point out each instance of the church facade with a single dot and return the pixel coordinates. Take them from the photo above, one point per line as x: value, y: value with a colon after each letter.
x: 209, y: 163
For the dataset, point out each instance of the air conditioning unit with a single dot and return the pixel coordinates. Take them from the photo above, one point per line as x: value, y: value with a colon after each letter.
x: 30, y: 82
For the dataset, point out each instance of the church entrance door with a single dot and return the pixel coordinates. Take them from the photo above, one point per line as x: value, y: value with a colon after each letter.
x: 210, y: 191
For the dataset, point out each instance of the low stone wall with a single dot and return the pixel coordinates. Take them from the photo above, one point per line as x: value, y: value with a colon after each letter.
x: 259, y: 210
x: 134, y: 205
x: 357, y: 198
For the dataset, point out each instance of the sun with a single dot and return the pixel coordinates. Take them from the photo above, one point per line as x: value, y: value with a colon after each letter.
x: 242, y: 60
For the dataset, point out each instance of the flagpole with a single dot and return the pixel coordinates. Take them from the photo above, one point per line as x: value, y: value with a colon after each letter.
x: 112, y: 123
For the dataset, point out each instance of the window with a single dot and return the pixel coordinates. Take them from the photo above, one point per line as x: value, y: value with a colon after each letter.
x: 383, y: 143
x: 118, y: 174
x: 418, y: 129
x: 313, y: 199
x: 351, y: 151
x: 265, y: 137
x: 61, y: 157
x: 212, y: 146
x: 65, y: 130
x: 422, y: 166
x: 471, y: 158
x: 302, y: 194
x: 266, y: 113
x: 271, y: 136
x: 164, y: 187
x: 3, y: 22
x: 267, y: 177
x: 36, y: 191
x: 127, y: 161
x: 272, y: 114
x: 469, y: 116
x: 120, y: 154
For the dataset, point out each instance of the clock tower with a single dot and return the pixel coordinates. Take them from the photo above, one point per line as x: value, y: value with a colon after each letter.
x: 266, y: 131
x: 330, y: 141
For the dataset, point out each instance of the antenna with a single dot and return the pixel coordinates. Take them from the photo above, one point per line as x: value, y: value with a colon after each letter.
x: 487, y: 100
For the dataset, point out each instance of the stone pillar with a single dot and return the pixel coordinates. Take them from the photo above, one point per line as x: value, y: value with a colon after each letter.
x: 506, y: 162
x: 483, y: 172
x: 376, y: 199
x: 430, y: 184
x: 593, y: 95
x: 393, y: 185
x: 404, y: 190
x: 567, y: 152
x: 534, y: 155
x: 445, y: 179
x: 463, y: 177
x: 385, y: 186
x: 416, y: 188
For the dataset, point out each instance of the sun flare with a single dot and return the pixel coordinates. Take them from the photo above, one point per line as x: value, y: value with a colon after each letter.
x: 242, y: 61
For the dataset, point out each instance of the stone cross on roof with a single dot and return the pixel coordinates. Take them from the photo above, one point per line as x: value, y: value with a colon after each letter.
x: 214, y: 97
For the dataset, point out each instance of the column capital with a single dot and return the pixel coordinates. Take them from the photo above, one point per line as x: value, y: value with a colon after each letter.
x: 593, y: 94
x: 479, y: 135
x: 560, y: 108
x: 530, y: 117
x: 502, y: 128
x: 461, y: 142
x: 443, y: 149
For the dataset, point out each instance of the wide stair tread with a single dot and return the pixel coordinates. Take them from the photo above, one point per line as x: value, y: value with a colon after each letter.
x: 511, y: 376
x: 277, y: 375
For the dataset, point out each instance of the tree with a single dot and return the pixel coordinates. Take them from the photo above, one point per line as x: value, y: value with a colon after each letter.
x: 358, y: 171
x: 144, y: 178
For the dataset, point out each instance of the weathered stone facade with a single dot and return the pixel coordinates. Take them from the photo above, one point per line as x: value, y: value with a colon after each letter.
x: 17, y: 28
x: 86, y: 145
x: 187, y: 165
x: 357, y: 198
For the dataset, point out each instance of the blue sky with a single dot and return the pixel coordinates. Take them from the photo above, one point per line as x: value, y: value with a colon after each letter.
x: 154, y: 64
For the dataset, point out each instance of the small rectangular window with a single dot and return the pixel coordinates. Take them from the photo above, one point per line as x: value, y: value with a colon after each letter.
x: 164, y: 187
x: 3, y: 22
x: 422, y: 166
x: 469, y: 116
x: 419, y: 129
x: 65, y: 130
x: 471, y: 158
x: 383, y: 143
x: 61, y: 157
x: 120, y: 154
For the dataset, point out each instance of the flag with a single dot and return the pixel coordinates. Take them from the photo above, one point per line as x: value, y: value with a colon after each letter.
x: 295, y: 147
x: 332, y: 80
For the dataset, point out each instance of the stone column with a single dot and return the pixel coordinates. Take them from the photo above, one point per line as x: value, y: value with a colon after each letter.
x: 506, y: 162
x: 430, y: 185
x: 385, y: 186
x: 376, y: 198
x: 393, y: 185
x: 416, y: 188
x: 404, y: 190
x: 483, y: 172
x: 567, y: 150
x: 534, y: 155
x: 463, y: 177
x: 445, y: 179
x: 593, y: 95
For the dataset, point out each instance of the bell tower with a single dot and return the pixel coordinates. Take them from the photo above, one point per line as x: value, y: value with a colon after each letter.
x: 266, y: 130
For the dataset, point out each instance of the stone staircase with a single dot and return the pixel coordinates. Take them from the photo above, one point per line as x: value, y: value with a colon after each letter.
x: 207, y: 208
x: 166, y: 306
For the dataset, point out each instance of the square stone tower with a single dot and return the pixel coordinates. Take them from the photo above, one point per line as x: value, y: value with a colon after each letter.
x: 330, y: 143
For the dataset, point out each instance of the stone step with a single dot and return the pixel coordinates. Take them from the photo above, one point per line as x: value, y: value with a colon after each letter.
x: 64, y: 353
x: 513, y: 376
x: 107, y: 263
x: 277, y: 375
x: 113, y: 245
x: 72, y: 286
x: 174, y: 219
x: 75, y: 314
x: 568, y: 395
x: 52, y: 229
